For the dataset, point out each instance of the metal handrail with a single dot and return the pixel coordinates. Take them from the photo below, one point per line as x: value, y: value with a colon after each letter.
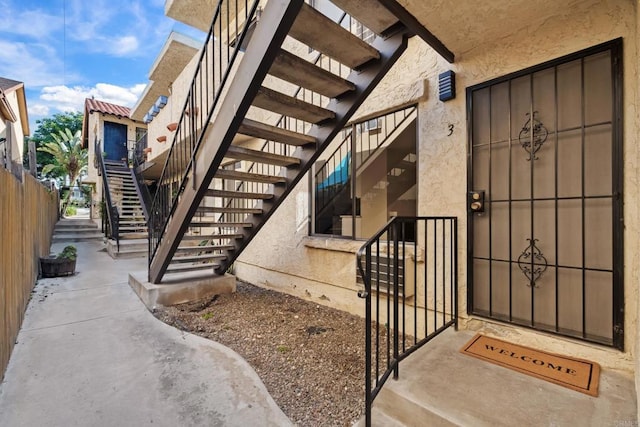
x: 410, y: 268
x: 141, y: 188
x: 110, y: 209
x: 211, y: 69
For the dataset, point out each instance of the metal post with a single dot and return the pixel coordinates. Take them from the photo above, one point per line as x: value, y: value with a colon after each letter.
x: 367, y: 366
x: 396, y: 288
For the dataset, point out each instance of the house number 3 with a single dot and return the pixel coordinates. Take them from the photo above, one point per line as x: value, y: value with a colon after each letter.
x: 450, y: 127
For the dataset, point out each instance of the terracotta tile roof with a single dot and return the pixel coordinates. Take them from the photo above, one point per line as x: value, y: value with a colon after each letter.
x: 91, y: 105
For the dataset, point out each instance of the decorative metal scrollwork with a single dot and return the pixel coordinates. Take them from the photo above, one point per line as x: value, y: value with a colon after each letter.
x: 532, y: 262
x: 532, y: 140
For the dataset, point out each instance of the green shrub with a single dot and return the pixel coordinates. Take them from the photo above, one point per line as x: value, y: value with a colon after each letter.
x: 69, y: 252
x: 70, y: 211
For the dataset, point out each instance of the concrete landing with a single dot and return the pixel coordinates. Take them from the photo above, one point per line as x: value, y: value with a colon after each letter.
x: 439, y: 386
x: 90, y: 354
x: 129, y: 248
x: 188, y: 287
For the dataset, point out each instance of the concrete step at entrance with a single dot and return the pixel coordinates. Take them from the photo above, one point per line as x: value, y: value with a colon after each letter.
x: 76, y: 230
x: 129, y: 248
x: 439, y: 386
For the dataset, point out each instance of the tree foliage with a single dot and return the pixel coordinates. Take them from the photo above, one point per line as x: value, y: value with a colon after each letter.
x: 43, y: 134
x: 67, y: 156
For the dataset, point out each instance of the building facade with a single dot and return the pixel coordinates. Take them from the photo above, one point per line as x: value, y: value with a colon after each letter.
x: 535, y: 152
x: 115, y: 133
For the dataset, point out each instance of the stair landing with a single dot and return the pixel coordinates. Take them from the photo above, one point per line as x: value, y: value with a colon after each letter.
x: 439, y: 386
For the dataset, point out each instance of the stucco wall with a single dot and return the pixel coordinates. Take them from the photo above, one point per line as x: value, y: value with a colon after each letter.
x: 283, y: 257
x: 17, y: 137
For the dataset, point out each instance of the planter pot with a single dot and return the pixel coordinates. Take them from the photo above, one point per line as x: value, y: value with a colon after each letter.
x: 54, y: 267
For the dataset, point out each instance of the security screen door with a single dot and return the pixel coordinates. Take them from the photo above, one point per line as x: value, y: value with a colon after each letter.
x: 545, y: 147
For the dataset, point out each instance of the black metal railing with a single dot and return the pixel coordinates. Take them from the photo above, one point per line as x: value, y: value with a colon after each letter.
x: 409, y: 270
x: 141, y: 187
x: 113, y: 217
x: 139, y: 155
x: 218, y: 55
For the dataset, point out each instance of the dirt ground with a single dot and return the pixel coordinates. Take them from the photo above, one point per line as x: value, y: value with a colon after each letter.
x: 310, y: 357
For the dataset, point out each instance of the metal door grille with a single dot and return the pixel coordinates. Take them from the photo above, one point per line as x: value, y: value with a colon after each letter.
x: 545, y: 147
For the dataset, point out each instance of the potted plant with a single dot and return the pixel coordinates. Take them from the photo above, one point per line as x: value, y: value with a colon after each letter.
x: 63, y: 264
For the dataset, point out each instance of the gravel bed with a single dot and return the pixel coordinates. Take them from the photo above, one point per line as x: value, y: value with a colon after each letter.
x: 310, y: 357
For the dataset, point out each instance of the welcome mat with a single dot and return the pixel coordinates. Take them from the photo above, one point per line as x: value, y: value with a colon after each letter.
x: 576, y: 374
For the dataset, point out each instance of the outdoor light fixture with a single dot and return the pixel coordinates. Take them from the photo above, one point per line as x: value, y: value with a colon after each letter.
x: 447, y: 85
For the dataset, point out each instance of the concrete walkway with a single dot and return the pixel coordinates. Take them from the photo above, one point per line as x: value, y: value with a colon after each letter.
x: 90, y: 354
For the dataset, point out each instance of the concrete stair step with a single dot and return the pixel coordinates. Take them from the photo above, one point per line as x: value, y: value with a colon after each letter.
x: 271, y: 100
x: 75, y: 237
x: 300, y: 72
x: 129, y: 248
x: 183, y: 268
x: 322, y: 34
x: 69, y: 227
x: 134, y: 236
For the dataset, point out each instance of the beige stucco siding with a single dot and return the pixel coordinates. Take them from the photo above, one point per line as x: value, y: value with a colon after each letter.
x: 282, y: 256
x: 13, y: 131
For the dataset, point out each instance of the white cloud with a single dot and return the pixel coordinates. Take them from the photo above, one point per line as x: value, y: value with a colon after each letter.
x: 39, y: 110
x: 32, y: 23
x: 33, y: 64
x: 65, y: 98
x: 123, y: 46
x: 112, y: 27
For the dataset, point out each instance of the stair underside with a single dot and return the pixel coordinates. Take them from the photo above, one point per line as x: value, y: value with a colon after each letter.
x: 220, y: 208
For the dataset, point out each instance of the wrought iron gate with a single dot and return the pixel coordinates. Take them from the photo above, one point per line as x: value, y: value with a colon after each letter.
x: 545, y: 181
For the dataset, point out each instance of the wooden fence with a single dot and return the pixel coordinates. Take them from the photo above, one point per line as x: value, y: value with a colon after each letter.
x: 28, y: 214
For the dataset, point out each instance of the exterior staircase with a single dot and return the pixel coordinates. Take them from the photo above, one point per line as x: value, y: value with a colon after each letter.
x: 76, y: 230
x: 206, y: 211
x: 132, y: 234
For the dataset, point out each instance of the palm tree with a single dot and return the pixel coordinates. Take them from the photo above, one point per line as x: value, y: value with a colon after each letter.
x: 68, y: 155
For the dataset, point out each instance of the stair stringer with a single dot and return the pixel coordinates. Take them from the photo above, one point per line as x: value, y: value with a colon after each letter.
x: 390, y: 48
x: 276, y: 20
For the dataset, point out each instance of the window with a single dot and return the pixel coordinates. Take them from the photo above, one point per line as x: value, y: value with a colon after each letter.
x: 383, y: 154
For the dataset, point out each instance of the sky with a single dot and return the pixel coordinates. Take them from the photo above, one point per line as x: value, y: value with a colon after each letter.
x: 67, y: 50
